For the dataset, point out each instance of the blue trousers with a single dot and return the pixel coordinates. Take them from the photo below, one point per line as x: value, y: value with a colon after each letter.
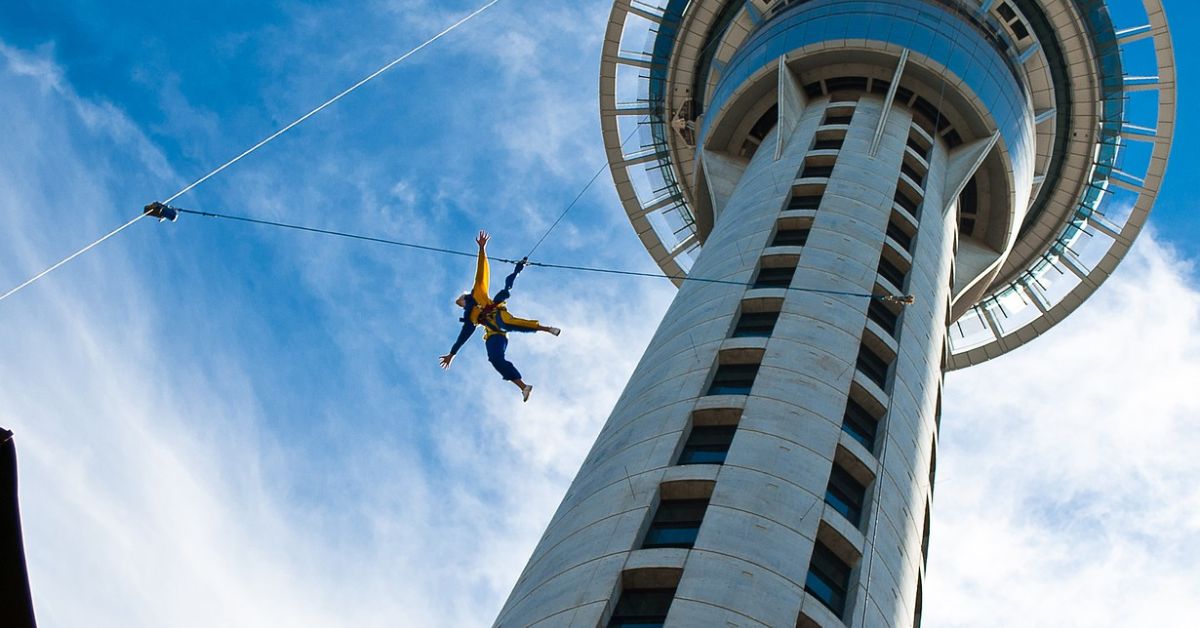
x: 496, y: 345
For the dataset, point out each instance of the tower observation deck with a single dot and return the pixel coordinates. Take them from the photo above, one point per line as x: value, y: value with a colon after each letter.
x: 771, y: 461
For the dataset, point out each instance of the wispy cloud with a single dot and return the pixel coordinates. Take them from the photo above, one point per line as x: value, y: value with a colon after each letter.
x: 1067, y: 484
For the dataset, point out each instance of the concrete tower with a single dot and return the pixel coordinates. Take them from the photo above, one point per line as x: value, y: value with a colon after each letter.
x: 771, y: 461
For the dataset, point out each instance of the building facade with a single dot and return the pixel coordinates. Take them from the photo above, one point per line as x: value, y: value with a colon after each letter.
x: 772, y: 460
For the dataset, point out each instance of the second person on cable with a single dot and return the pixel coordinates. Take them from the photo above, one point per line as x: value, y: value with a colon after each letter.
x: 492, y: 313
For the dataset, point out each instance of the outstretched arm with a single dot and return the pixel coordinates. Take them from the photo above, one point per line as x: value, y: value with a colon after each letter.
x: 467, y: 330
x: 482, y: 274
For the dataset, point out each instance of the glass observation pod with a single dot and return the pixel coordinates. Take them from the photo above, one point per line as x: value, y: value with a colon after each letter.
x: 1073, y: 235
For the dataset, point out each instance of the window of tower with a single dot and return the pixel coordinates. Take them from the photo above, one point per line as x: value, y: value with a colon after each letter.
x: 859, y: 422
x: 642, y: 608
x: 733, y: 379
x: 873, y: 365
x: 776, y: 271
x: 806, y: 196
x: 883, y: 315
x: 831, y: 143
x: 845, y: 494
x: 1019, y: 29
x: 791, y: 231
x: 968, y: 207
x: 917, y: 607
x: 839, y: 114
x: 900, y: 231
x: 765, y: 313
x: 937, y: 412
x: 813, y: 89
x: 953, y: 139
x: 846, y: 87
x: 891, y: 272
x: 919, y: 145
x: 914, y: 169
x: 828, y: 578
x: 817, y: 167
x: 755, y: 324
x: 925, y: 536
x: 758, y: 132
x: 676, y: 523
x: 790, y: 237
x: 707, y: 444
x: 711, y: 436
x: 932, y: 463
x: 928, y: 116
x: 765, y: 123
x: 903, y: 200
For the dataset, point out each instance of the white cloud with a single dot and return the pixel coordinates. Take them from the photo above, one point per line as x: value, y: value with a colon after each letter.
x: 1067, y: 476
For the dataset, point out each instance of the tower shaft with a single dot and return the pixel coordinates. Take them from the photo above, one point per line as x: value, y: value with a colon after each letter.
x: 766, y: 503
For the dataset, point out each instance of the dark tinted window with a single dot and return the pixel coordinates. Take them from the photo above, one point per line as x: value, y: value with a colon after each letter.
x: 676, y: 523
x: 845, y: 494
x: 816, y: 171
x: 860, y: 424
x: 1019, y: 30
x: 828, y: 579
x: 774, y: 277
x: 891, y: 272
x: 755, y: 324
x: 882, y: 315
x: 846, y: 83
x: 765, y: 123
x: 899, y: 235
x: 834, y: 144
x: 790, y: 237
x: 733, y: 379
x: 912, y: 173
x: 917, y: 612
x: 873, y: 366
x: 917, y: 148
x: 804, y: 202
x: 707, y: 444
x: 925, y: 536
x: 906, y: 203
x: 644, y: 608
x: 929, y: 112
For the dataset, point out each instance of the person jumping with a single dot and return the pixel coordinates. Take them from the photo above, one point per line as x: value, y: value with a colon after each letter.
x: 478, y: 309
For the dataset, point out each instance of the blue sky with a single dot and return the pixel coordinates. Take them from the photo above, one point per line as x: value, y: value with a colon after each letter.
x: 221, y: 424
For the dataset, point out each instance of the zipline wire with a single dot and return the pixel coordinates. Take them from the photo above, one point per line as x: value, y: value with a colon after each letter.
x: 71, y: 257
x: 588, y: 269
x: 257, y: 146
x: 325, y: 104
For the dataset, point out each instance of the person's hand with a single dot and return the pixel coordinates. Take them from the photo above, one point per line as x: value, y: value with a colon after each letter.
x: 446, y: 360
x: 483, y: 238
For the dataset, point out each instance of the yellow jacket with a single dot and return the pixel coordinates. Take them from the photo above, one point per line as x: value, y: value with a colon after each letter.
x: 488, y: 311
